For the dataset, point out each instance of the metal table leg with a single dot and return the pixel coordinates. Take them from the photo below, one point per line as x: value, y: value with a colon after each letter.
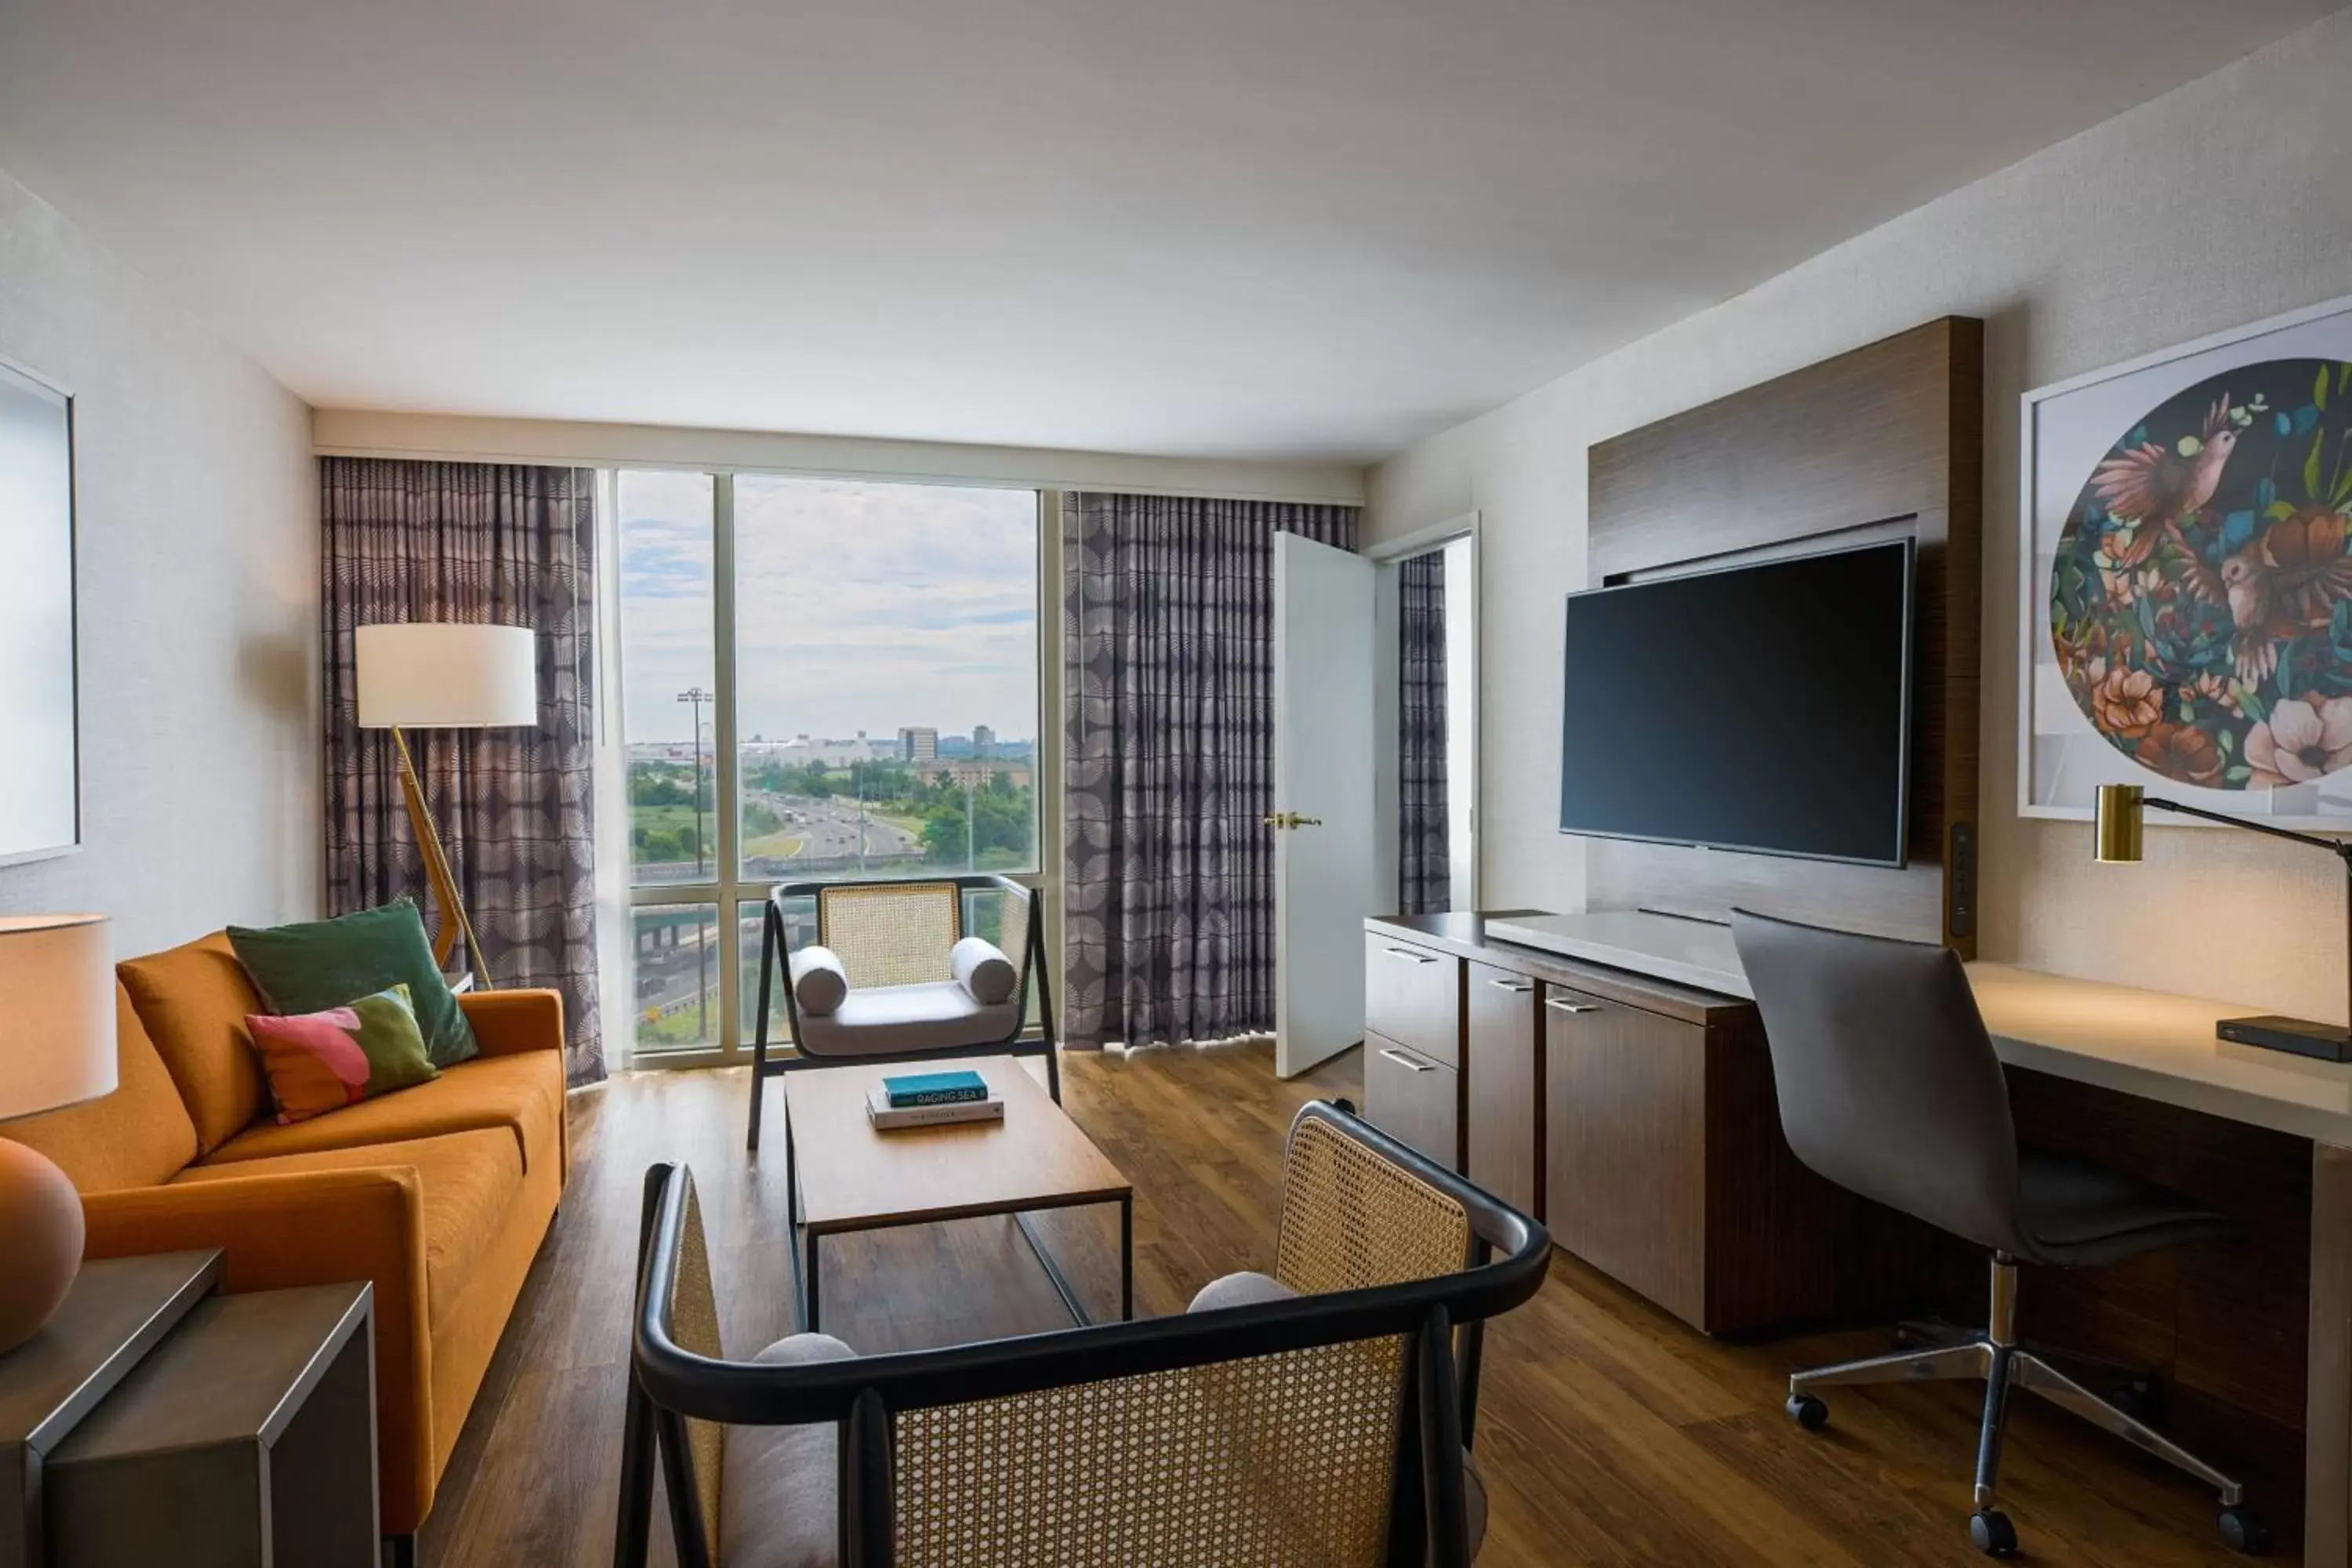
x: 1053, y: 1271
x: 1126, y: 1257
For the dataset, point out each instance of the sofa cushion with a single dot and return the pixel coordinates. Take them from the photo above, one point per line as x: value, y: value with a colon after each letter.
x: 777, y: 1484
x: 138, y: 1136
x: 933, y: 1015
x: 519, y: 1095
x: 470, y: 1181
x: 313, y: 965
x: 319, y: 1062
x: 192, y: 1000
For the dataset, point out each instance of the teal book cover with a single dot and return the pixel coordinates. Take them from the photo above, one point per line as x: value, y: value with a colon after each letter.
x: 934, y: 1088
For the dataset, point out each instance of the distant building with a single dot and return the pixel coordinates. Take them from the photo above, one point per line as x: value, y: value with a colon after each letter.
x: 984, y: 741
x: 973, y: 775
x: 919, y: 745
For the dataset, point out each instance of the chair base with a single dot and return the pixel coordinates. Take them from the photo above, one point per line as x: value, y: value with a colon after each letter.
x: 1995, y: 1358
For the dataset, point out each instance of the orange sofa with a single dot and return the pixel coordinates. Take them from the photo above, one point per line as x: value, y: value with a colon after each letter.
x: 437, y: 1194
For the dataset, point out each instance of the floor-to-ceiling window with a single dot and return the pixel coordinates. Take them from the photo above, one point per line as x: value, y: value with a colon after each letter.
x: 822, y: 678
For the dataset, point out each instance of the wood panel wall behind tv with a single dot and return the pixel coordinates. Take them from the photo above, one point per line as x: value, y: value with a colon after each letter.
x: 1887, y: 436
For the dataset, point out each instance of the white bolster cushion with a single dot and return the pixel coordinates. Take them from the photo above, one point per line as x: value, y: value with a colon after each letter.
x: 984, y: 971
x: 819, y: 981
x: 1246, y: 1288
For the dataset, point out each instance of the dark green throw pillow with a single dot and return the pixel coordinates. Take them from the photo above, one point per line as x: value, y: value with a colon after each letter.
x: 318, y: 964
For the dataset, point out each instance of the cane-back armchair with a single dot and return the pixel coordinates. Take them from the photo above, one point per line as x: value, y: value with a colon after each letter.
x: 897, y: 947
x: 1326, y: 1429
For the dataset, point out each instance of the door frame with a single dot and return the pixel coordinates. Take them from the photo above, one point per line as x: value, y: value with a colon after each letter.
x: 1388, y: 555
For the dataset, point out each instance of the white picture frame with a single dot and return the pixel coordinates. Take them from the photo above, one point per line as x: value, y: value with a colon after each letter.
x: 2068, y: 431
x: 40, y: 724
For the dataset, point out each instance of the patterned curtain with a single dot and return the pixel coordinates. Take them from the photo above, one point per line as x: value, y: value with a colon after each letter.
x: 1168, y: 876
x: 1424, y: 880
x: 488, y: 543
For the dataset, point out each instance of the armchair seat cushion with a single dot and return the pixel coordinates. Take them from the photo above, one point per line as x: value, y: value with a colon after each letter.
x: 777, y: 1484
x: 939, y: 1014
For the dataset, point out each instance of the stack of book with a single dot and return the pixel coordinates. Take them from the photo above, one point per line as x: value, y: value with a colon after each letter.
x: 930, y: 1098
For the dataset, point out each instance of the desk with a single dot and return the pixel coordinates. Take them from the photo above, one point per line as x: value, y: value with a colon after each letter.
x: 2150, y: 1047
x: 2161, y: 1047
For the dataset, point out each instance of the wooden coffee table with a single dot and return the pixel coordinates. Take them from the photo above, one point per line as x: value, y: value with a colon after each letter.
x: 845, y: 1176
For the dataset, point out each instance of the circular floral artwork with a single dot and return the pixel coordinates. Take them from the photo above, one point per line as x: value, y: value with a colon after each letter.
x: 2200, y: 604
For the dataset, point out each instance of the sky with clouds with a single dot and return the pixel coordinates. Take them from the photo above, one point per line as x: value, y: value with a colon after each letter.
x: 858, y: 606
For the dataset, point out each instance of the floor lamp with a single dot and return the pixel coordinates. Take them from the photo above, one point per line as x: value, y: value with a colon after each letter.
x: 435, y: 675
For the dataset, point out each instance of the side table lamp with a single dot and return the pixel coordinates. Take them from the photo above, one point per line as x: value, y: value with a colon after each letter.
x: 57, y: 1048
x: 438, y: 675
x: 2118, y: 831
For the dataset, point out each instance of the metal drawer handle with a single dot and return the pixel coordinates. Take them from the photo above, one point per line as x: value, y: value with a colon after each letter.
x: 1516, y: 987
x: 1408, y: 956
x: 1404, y: 1060
x: 1562, y: 1005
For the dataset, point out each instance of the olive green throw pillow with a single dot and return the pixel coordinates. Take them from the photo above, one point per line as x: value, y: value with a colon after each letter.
x: 318, y: 964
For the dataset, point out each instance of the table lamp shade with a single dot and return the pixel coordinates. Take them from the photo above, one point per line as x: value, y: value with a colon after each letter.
x: 434, y: 675
x: 56, y: 1011
x: 56, y: 1047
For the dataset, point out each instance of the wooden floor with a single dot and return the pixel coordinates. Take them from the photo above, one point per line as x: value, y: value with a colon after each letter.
x: 1609, y: 1433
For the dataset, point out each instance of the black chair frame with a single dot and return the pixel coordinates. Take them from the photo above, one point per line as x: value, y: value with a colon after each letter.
x: 1442, y: 1321
x: 776, y: 967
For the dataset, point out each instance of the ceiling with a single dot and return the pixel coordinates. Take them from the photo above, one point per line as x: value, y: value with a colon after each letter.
x: 1275, y: 228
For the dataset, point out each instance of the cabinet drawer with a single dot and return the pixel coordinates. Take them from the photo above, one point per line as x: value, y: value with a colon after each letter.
x: 1625, y: 1135
x: 1413, y: 1100
x: 1413, y: 996
x: 1503, y: 1075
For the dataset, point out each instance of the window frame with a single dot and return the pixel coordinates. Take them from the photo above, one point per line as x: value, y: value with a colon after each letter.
x: 727, y: 888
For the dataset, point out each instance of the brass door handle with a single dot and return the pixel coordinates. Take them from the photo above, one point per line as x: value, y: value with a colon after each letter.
x: 1281, y: 819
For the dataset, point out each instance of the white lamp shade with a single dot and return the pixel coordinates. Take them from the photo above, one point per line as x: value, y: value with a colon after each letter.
x: 435, y: 675
x: 56, y: 1011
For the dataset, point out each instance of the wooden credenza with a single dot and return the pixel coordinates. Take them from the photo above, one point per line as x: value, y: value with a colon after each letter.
x: 1634, y: 1117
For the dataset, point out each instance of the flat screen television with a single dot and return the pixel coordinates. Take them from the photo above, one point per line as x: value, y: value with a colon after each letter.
x: 1762, y: 706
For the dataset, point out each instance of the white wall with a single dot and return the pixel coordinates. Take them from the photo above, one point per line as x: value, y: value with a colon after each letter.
x: 199, y: 602
x: 2226, y: 201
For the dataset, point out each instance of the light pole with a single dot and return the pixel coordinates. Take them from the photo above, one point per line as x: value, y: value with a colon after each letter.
x: 696, y: 697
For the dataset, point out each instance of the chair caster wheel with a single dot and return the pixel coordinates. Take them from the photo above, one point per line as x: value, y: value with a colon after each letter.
x: 2244, y: 1531
x: 1992, y: 1534
x: 1807, y: 1412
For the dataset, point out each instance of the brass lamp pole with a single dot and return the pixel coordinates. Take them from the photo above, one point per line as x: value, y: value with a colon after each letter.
x: 2119, y: 840
x: 456, y: 920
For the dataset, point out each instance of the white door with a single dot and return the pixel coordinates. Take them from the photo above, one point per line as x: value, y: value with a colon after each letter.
x: 1326, y: 875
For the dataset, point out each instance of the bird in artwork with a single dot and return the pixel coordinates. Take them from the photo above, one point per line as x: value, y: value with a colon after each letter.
x: 2284, y: 582
x: 2157, y: 489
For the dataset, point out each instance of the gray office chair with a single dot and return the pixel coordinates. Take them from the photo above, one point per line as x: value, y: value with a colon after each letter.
x: 1889, y: 1087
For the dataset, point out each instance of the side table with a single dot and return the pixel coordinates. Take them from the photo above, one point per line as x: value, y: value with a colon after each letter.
x: 119, y: 1311
x: 247, y: 1439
